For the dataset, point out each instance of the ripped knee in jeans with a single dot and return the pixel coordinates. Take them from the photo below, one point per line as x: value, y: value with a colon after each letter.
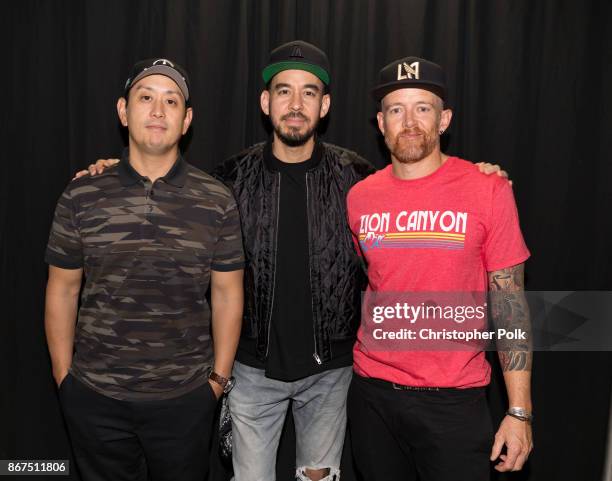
x: 305, y: 473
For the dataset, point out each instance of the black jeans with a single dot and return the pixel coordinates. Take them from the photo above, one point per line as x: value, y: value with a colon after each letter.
x: 427, y: 435
x: 123, y: 440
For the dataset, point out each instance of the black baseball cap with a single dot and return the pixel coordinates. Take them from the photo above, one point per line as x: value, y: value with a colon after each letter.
x: 410, y: 72
x: 297, y: 55
x: 159, y: 66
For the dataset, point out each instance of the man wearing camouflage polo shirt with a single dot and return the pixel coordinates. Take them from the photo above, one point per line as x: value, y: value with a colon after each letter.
x: 150, y: 235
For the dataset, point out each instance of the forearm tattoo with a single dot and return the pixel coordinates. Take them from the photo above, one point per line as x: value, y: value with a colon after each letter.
x: 509, y: 310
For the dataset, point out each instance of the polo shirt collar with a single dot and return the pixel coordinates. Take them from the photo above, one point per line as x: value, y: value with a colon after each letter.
x: 176, y: 176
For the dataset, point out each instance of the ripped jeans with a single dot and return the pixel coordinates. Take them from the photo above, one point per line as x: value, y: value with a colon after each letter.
x: 259, y: 406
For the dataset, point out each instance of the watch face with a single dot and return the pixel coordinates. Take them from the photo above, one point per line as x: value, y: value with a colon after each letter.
x: 229, y: 385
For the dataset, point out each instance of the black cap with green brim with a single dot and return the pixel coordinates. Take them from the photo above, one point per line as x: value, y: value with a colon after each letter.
x: 298, y: 55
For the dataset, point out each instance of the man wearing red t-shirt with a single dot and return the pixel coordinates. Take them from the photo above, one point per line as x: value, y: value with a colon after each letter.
x: 430, y: 223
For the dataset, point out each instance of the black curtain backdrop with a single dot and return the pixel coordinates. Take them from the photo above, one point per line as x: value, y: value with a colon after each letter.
x: 530, y: 87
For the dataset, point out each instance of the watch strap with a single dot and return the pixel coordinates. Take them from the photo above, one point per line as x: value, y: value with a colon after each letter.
x: 222, y: 381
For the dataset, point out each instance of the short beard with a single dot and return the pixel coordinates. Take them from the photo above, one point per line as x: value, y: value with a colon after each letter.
x: 413, y: 152
x: 292, y: 137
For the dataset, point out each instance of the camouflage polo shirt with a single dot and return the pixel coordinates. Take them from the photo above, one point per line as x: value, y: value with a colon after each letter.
x: 147, y: 250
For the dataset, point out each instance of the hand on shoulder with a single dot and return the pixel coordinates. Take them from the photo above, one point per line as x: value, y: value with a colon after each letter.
x: 97, y: 168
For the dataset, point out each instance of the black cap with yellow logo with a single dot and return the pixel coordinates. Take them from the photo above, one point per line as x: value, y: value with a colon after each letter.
x: 410, y: 72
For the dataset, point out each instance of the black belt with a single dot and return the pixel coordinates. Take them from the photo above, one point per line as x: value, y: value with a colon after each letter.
x: 402, y: 387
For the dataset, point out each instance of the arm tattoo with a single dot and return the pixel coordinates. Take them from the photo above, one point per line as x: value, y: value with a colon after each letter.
x: 510, y: 311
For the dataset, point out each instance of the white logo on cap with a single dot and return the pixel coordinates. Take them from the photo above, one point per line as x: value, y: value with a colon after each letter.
x: 412, y: 71
x: 163, y: 61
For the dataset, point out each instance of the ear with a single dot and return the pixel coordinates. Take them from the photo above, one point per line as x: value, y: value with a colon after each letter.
x: 445, y: 119
x: 264, y: 102
x: 381, y: 122
x: 122, y: 111
x: 325, y: 104
x: 187, y: 120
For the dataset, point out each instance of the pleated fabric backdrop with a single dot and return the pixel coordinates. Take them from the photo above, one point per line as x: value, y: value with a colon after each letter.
x: 529, y: 83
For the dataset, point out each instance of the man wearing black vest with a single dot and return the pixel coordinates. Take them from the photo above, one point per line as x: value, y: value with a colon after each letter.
x: 303, y: 279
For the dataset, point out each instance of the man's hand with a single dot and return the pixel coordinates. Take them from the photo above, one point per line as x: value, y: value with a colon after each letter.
x: 516, y: 436
x: 489, y: 169
x: 99, y: 166
x: 217, y: 389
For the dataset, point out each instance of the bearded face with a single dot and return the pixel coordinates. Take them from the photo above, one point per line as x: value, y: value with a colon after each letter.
x: 295, y: 103
x: 412, y: 144
x: 411, y: 120
x: 295, y: 128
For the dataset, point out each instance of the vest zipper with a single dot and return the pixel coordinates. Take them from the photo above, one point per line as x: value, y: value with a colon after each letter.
x: 274, y: 276
x: 315, y: 355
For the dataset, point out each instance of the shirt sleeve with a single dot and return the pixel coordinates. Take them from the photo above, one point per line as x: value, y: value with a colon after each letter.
x: 64, y: 248
x: 505, y: 246
x: 229, y: 255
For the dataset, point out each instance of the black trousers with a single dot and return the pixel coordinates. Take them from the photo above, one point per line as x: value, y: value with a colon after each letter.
x: 426, y: 435
x: 137, y: 441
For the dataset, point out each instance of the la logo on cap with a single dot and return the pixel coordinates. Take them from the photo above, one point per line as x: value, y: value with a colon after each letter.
x: 411, y: 71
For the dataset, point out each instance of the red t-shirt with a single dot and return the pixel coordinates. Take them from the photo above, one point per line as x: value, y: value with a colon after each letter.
x: 439, y: 233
